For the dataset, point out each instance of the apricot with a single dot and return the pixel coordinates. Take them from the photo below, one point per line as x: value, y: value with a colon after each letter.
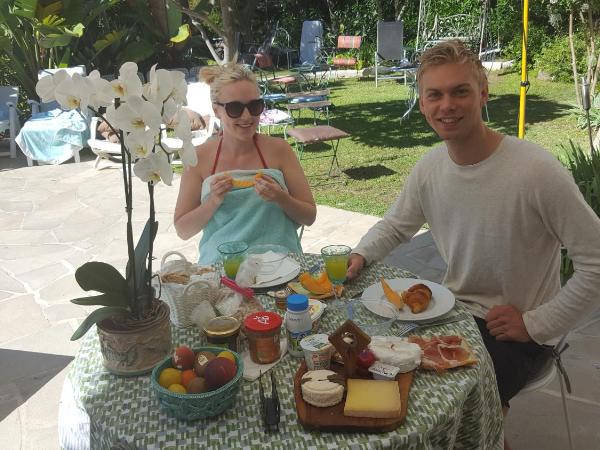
x: 219, y: 372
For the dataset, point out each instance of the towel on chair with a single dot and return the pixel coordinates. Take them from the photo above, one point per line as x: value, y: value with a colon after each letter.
x: 53, y: 136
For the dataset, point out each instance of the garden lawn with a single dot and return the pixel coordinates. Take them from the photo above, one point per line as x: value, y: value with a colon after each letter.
x: 379, y: 155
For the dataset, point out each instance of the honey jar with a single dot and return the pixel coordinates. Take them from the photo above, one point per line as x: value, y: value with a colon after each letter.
x: 223, y: 332
x: 263, y: 329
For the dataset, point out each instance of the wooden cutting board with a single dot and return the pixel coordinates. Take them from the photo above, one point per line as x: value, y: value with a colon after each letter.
x: 332, y: 418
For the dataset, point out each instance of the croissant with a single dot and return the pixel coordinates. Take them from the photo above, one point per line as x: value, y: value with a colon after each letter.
x: 417, y: 298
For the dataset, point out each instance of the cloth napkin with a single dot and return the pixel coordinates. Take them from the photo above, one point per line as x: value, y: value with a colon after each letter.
x: 285, y: 268
x: 252, y: 370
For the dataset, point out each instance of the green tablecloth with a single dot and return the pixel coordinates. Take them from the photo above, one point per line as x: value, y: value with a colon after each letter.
x: 456, y: 409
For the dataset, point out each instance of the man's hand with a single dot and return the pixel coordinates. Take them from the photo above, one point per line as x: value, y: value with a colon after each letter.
x: 356, y: 263
x: 505, y: 323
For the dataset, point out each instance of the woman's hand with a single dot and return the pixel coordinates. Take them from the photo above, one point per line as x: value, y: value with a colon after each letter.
x: 268, y: 189
x: 219, y: 186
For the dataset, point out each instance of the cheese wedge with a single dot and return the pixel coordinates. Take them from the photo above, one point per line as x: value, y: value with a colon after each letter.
x: 372, y: 398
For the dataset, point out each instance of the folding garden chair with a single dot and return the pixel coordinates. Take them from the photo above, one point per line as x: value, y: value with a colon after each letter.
x: 348, y: 43
x: 391, y: 61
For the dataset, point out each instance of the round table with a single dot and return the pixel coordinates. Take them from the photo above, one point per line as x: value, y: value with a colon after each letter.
x: 456, y: 408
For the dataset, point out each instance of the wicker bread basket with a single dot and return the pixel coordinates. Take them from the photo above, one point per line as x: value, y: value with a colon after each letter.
x: 183, y: 298
x: 198, y: 406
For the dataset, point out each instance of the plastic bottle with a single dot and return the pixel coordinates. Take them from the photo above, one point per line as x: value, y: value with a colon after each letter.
x: 297, y: 323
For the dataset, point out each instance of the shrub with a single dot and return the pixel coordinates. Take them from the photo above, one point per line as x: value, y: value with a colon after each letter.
x: 537, y: 38
x: 585, y: 168
x: 555, y: 58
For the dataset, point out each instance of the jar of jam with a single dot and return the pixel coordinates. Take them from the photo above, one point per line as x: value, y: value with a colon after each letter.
x: 223, y: 332
x: 262, y: 330
x: 281, y: 299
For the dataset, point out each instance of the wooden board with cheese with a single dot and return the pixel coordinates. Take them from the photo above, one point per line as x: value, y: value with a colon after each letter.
x: 332, y: 418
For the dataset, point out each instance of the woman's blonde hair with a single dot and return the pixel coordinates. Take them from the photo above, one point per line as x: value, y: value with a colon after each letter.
x: 218, y: 76
x: 451, y: 52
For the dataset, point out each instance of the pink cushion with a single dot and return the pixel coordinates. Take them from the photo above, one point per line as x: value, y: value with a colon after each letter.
x: 349, y: 41
x: 283, y: 80
x: 317, y: 134
x: 344, y: 61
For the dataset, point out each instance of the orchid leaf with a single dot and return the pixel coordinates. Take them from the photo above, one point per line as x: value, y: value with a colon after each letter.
x: 119, y: 299
x: 101, y: 277
x: 141, y: 254
x: 97, y: 316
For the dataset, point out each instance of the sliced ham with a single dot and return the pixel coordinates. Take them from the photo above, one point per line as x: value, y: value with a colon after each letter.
x: 444, y: 352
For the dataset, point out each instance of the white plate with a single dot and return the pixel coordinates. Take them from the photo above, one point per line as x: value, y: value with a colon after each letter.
x: 277, y: 281
x: 442, y: 299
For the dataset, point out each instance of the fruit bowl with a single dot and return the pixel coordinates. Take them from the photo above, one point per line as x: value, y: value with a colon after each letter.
x: 197, y: 406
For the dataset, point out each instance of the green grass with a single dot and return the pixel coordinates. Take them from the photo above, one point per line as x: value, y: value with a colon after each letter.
x: 381, y: 152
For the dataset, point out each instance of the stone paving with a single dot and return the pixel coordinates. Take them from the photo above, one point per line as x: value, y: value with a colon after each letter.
x: 53, y: 218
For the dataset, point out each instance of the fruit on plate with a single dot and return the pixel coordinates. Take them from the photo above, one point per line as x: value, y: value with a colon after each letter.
x: 183, y: 357
x: 218, y: 372
x: 365, y: 359
x: 169, y: 376
x: 316, y: 285
x: 391, y: 295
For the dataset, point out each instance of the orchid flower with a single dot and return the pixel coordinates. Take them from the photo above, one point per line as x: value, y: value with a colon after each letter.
x: 154, y: 168
x: 101, y: 94
x: 183, y: 131
x: 74, y: 92
x: 46, y: 86
x: 134, y: 114
x: 161, y: 85
x: 140, y: 143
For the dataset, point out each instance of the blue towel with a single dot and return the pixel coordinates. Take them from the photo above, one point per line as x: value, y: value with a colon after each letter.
x: 53, y: 136
x: 244, y: 216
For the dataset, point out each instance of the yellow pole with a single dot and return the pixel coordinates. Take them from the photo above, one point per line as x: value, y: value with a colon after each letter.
x: 524, y: 80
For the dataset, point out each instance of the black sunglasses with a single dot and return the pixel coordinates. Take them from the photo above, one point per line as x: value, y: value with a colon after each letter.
x: 236, y: 109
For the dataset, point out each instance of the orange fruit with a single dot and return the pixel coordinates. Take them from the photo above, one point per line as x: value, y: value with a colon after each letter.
x: 169, y: 376
x: 187, y: 376
x: 228, y: 355
x: 177, y: 388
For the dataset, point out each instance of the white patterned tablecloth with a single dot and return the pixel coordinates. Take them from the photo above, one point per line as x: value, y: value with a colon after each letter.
x: 455, y: 409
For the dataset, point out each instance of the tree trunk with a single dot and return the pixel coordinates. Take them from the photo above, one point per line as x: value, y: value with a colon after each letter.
x: 158, y: 11
x: 574, y: 59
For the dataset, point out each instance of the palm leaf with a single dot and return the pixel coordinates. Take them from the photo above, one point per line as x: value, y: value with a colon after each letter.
x: 182, y: 35
x: 25, y: 8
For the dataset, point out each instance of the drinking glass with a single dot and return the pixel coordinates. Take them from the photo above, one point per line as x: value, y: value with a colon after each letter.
x: 232, y: 255
x: 336, y: 265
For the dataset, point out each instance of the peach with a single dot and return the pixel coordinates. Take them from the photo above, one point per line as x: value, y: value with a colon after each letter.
x: 219, y: 372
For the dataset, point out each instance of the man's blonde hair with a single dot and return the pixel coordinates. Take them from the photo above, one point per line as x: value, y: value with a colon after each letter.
x: 451, y: 52
x: 219, y: 76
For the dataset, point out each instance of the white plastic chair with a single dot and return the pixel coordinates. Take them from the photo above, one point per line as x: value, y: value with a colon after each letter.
x: 9, y: 117
x: 545, y: 376
x: 102, y: 148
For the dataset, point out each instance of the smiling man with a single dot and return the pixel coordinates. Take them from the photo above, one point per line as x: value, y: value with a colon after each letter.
x: 499, y: 209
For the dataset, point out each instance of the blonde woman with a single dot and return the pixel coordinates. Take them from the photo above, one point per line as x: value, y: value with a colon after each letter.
x: 246, y: 186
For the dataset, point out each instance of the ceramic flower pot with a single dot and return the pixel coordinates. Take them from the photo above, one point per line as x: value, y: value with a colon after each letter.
x: 131, y: 348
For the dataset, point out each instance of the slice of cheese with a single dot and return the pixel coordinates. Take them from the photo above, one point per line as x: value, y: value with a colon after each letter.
x: 372, y: 398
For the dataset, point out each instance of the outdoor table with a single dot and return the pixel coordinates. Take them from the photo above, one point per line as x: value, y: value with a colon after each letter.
x: 313, y: 76
x: 457, y: 408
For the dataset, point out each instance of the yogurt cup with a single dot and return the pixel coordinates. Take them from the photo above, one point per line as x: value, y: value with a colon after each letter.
x: 316, y: 309
x: 317, y: 351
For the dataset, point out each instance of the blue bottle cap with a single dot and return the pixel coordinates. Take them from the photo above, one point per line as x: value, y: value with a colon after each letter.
x: 297, y: 302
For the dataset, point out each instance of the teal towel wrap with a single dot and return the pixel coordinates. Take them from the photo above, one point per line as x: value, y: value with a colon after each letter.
x: 244, y: 216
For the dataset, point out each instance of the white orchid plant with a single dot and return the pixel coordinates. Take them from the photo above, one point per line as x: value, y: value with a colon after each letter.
x: 135, y: 112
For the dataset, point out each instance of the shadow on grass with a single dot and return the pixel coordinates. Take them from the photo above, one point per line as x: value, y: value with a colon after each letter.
x: 368, y: 172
